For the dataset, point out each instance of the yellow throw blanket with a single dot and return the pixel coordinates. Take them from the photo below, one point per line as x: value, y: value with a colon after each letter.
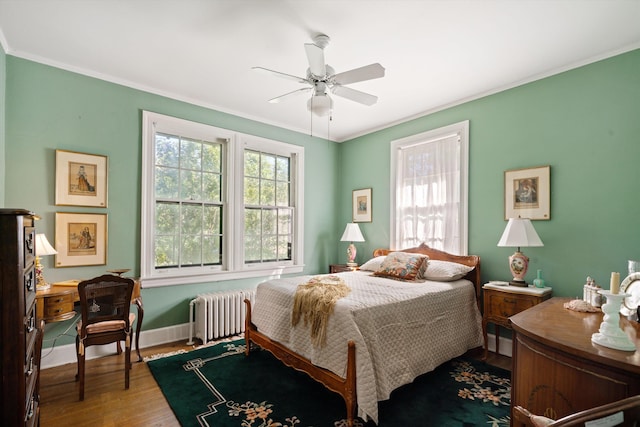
x: 315, y: 300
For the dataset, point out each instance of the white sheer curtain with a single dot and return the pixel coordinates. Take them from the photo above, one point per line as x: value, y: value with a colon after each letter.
x: 430, y: 191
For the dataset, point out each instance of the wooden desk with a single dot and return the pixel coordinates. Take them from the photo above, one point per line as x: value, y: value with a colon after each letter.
x: 557, y: 370
x: 56, y: 304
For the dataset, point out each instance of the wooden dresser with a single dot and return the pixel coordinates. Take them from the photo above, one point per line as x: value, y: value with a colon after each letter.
x: 21, y: 337
x: 557, y: 370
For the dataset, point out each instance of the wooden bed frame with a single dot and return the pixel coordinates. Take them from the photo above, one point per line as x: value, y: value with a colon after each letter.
x: 346, y: 387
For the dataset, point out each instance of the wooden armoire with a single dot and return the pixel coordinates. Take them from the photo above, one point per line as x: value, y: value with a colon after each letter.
x: 21, y: 339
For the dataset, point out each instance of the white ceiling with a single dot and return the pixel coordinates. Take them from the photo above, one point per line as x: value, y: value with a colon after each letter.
x: 436, y: 53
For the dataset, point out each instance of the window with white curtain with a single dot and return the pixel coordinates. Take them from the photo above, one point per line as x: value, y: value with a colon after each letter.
x: 218, y: 204
x: 429, y: 189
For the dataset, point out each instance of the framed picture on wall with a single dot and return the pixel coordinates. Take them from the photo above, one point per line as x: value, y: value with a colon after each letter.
x: 81, y: 179
x: 362, y: 205
x: 81, y: 239
x: 527, y: 193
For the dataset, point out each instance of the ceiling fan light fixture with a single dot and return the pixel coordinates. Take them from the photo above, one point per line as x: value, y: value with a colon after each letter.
x: 320, y: 105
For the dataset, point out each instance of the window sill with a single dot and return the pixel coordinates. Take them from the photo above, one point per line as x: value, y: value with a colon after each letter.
x: 171, y: 280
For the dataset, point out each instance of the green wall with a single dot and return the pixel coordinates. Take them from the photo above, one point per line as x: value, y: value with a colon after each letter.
x: 584, y: 123
x: 49, y: 109
x: 3, y: 78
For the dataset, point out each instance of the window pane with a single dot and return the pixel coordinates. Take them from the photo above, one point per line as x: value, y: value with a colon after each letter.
x: 284, y: 221
x: 212, y: 158
x: 270, y: 248
x: 251, y: 191
x: 282, y: 193
x: 167, y: 215
x: 191, y: 219
x: 267, y: 193
x: 212, y: 220
x: 166, y: 252
x: 212, y: 187
x: 190, y: 154
x: 191, y: 250
x: 252, y: 223
x: 269, y: 221
x: 251, y: 164
x: 167, y: 149
x: 284, y: 247
x: 268, y: 166
x: 282, y: 171
x: 211, y: 250
x: 191, y: 187
x: 166, y: 186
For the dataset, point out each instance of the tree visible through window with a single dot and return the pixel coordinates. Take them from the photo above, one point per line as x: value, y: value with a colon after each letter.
x: 267, y: 207
x: 218, y: 204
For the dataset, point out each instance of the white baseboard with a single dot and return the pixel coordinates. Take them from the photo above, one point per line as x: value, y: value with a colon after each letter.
x: 62, y: 355
x: 505, y: 345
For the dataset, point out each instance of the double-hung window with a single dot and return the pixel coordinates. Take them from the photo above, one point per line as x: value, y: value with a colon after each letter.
x: 217, y: 204
x: 429, y: 182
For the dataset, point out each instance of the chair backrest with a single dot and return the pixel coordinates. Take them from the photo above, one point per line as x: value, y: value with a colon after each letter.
x: 104, y: 298
x: 623, y: 413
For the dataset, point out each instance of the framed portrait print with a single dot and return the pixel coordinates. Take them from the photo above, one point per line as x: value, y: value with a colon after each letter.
x: 81, y: 179
x: 362, y: 205
x: 81, y: 239
x: 527, y: 193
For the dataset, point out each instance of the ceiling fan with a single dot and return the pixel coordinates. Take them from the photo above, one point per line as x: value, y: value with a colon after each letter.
x: 323, y: 79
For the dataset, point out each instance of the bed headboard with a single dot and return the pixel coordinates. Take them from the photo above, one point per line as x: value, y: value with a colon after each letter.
x: 470, y: 260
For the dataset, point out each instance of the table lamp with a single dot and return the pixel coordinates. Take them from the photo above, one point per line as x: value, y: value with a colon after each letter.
x: 352, y: 234
x: 43, y: 248
x: 519, y: 232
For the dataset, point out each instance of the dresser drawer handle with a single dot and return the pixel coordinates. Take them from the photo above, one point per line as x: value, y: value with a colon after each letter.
x: 58, y: 300
x: 30, y: 411
x: 30, y: 370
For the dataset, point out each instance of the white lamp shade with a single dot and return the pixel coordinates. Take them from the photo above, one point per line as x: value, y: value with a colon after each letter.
x: 352, y: 233
x: 519, y: 232
x: 43, y: 247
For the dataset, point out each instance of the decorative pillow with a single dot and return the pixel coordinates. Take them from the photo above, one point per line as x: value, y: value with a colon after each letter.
x: 373, y: 264
x: 445, y: 271
x: 402, y: 266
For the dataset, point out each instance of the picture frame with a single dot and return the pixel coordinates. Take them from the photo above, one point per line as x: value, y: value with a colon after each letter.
x: 81, y: 239
x: 81, y: 179
x: 362, y: 205
x: 527, y: 193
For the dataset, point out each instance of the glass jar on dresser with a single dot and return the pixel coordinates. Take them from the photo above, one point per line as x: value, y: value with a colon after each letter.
x: 21, y: 336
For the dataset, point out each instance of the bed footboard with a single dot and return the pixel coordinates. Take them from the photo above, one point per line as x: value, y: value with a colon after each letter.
x: 346, y: 387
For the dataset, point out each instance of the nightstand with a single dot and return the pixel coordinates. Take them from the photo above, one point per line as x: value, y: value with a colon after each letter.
x: 502, y: 302
x: 340, y: 268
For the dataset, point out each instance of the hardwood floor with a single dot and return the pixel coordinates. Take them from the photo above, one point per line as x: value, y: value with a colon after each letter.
x: 108, y: 404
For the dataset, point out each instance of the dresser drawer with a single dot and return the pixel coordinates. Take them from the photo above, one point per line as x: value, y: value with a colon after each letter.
x: 58, y: 307
x: 506, y: 306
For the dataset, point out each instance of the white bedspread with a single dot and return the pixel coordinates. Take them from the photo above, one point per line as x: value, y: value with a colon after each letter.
x: 401, y: 330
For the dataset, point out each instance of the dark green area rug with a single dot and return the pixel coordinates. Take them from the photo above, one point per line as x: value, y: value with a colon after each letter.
x: 219, y: 386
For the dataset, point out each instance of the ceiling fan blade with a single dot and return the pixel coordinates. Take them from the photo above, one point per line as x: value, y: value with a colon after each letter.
x: 354, y: 95
x: 279, y: 74
x: 279, y: 99
x: 315, y: 55
x: 368, y: 72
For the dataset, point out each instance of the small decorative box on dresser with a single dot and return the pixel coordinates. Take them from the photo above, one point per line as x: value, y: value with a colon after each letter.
x: 339, y: 268
x: 557, y: 369
x: 503, y: 301
x: 21, y: 334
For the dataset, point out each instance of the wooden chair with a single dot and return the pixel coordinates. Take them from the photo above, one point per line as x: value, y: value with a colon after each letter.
x: 624, y: 413
x: 105, y: 318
